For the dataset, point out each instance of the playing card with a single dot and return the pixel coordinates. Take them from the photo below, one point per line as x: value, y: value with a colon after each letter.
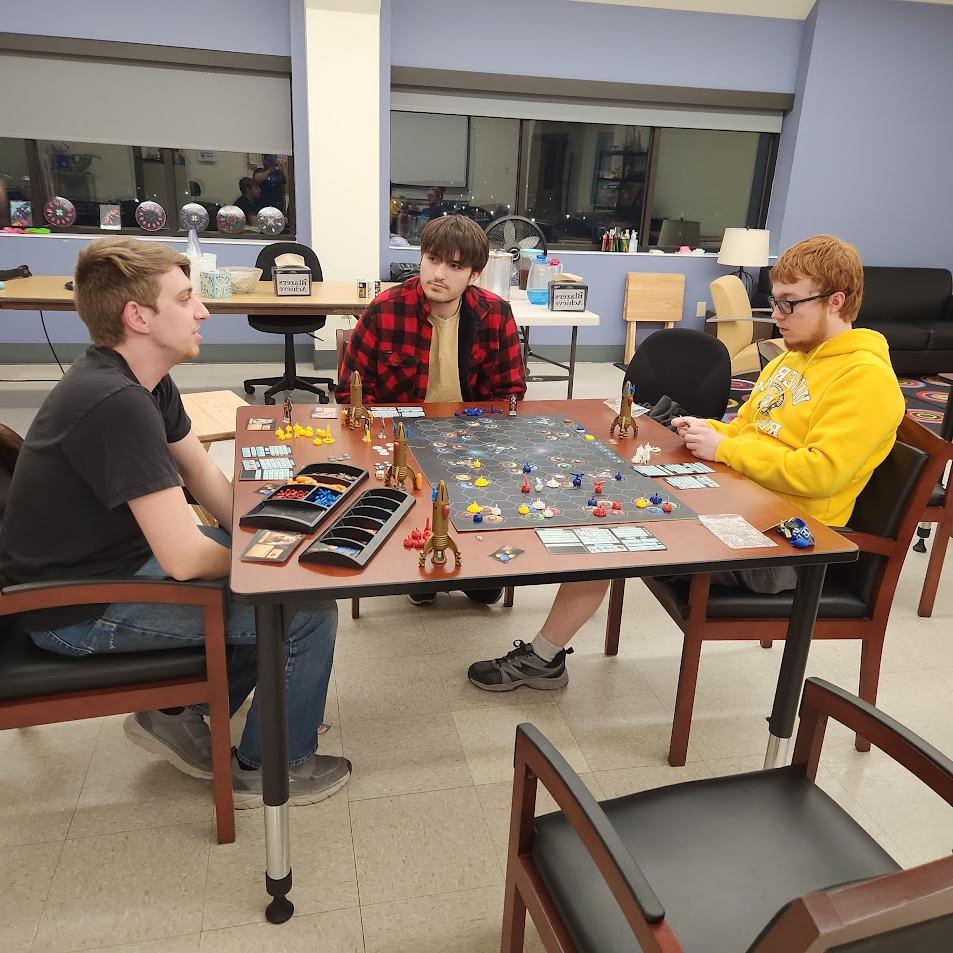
x: 506, y: 553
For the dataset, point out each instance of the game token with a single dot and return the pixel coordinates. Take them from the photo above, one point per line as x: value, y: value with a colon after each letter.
x: 655, y: 498
x: 477, y: 464
x: 539, y: 485
x: 641, y: 502
x: 616, y: 505
x: 592, y: 501
x: 590, y: 437
x: 597, y: 487
x: 525, y: 486
x: 599, y: 511
x: 566, y: 420
x: 580, y: 427
x: 474, y: 507
x: 538, y: 505
x: 548, y: 513
x: 577, y: 480
x: 618, y: 476
x: 522, y: 509
x: 477, y: 517
x: 667, y: 507
x: 552, y: 483
x: 527, y: 468
x: 481, y: 481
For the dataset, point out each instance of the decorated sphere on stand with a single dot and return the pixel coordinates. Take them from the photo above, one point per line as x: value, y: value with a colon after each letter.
x: 271, y: 220
x: 150, y: 216
x: 60, y: 212
x: 230, y: 219
x: 193, y: 215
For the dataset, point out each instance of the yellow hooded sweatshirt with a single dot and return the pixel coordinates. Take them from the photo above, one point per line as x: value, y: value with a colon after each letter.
x: 817, y: 424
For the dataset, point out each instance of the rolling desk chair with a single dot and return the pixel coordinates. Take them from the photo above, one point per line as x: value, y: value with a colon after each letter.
x: 289, y: 326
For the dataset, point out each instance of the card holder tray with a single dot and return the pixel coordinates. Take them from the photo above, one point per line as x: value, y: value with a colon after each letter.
x: 335, y: 482
x: 353, y: 538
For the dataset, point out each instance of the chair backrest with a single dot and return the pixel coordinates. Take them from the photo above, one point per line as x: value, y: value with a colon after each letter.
x: 890, y: 506
x: 730, y: 300
x: 691, y: 367
x: 653, y: 297
x: 341, y: 337
x: 266, y: 258
x: 10, y: 444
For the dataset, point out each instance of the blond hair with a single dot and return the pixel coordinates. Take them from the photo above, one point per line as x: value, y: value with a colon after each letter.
x: 831, y: 264
x: 113, y: 271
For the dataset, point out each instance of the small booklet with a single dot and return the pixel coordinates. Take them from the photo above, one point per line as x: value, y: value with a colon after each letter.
x: 271, y: 546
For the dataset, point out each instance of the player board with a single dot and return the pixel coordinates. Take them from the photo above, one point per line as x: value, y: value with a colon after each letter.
x: 465, y: 451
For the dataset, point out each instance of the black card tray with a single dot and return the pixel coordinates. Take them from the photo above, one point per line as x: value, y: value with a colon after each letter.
x: 356, y: 535
x: 335, y: 482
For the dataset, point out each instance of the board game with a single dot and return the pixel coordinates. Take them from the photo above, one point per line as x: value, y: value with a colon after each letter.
x: 505, y: 472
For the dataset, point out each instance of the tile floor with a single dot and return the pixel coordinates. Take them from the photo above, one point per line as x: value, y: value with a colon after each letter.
x: 103, y: 847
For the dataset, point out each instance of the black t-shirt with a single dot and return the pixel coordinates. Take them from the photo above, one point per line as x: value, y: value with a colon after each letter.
x: 250, y: 206
x: 99, y: 440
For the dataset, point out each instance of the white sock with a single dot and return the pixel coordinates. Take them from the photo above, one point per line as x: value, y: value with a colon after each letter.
x: 545, y: 649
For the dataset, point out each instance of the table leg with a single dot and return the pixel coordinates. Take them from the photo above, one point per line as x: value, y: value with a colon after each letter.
x: 797, y: 644
x: 572, y: 359
x: 272, y: 707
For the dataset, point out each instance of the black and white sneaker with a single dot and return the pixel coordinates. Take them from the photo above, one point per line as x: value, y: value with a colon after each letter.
x: 520, y: 667
x: 422, y: 598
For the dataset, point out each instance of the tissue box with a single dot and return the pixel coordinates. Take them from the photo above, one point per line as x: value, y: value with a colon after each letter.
x: 568, y: 295
x: 216, y: 284
x: 291, y: 280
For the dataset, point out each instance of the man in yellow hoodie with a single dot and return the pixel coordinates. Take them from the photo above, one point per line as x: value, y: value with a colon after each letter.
x: 821, y: 417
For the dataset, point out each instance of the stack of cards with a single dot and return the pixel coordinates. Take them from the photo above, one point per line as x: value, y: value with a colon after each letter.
x: 271, y: 546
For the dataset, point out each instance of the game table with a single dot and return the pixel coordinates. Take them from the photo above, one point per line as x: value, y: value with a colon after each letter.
x: 690, y: 547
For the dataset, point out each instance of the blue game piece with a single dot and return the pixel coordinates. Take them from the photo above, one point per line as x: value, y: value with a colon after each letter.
x: 577, y: 480
x: 592, y: 501
x: 433, y: 495
x: 618, y: 476
x: 655, y: 499
x: 477, y: 517
x: 527, y: 468
x: 580, y: 427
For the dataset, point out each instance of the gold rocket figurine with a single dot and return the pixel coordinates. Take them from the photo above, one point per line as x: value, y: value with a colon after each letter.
x: 439, y: 541
x: 624, y: 419
x: 357, y: 412
x: 399, y: 471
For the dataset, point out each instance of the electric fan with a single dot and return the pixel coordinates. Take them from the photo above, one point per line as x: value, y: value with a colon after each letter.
x: 512, y: 233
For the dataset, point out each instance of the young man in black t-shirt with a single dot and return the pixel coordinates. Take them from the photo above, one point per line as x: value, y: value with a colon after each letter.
x: 97, y: 492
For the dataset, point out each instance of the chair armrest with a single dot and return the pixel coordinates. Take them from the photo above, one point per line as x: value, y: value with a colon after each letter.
x: 948, y: 309
x: 822, y: 700
x: 79, y: 592
x: 867, y: 542
x: 588, y: 820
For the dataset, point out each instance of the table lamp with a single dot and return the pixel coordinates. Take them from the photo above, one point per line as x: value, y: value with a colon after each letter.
x: 744, y: 247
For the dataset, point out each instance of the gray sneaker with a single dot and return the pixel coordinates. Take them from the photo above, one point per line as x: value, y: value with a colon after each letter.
x: 520, y: 667
x: 183, y: 740
x: 314, y: 780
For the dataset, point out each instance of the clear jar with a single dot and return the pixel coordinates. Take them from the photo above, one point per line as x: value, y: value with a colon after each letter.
x: 537, y: 284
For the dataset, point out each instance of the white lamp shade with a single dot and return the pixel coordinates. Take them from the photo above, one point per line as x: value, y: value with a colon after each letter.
x: 744, y: 247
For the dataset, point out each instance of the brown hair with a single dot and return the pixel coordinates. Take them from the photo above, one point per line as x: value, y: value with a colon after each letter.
x: 113, y: 271
x: 456, y: 236
x: 831, y: 264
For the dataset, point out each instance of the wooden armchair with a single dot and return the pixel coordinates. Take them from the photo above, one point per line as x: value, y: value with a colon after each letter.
x: 763, y: 862
x: 856, y: 598
x: 736, y: 325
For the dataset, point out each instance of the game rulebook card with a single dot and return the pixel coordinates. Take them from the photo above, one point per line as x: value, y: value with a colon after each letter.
x: 271, y: 546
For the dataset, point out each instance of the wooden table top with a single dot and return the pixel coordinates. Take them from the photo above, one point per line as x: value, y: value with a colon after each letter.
x: 49, y: 292
x: 394, y: 569
x: 213, y: 414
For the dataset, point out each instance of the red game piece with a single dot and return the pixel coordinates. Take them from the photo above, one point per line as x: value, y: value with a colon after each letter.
x: 600, y: 510
x: 597, y: 487
x: 525, y: 486
x: 616, y: 505
x: 666, y: 507
x: 427, y: 527
x: 408, y: 543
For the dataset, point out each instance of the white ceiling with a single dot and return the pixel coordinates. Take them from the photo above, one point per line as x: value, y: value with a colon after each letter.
x: 782, y: 9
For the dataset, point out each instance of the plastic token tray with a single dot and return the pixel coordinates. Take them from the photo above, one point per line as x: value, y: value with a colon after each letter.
x: 301, y: 506
x: 356, y: 535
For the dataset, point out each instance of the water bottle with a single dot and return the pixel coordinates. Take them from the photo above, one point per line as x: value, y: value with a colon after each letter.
x: 537, y: 284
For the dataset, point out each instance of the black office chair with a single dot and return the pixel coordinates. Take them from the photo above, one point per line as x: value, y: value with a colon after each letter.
x: 289, y: 326
x: 690, y: 367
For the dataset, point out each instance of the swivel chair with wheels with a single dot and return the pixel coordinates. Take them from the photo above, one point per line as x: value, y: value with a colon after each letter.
x: 289, y: 326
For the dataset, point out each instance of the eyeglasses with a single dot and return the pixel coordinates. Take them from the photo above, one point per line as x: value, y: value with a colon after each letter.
x: 787, y: 307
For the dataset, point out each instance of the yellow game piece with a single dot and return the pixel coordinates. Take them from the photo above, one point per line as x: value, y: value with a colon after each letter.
x: 367, y: 436
x: 328, y: 439
x: 590, y: 437
x: 641, y: 502
x: 474, y: 507
x: 308, y: 432
x: 477, y: 464
x: 522, y: 509
x: 481, y: 481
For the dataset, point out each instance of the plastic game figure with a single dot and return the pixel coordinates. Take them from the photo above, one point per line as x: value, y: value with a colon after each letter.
x: 513, y: 402
x: 286, y: 408
x: 439, y: 542
x: 357, y: 413
x: 399, y: 470
x: 624, y: 419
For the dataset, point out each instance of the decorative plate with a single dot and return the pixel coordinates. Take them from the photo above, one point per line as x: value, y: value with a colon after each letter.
x: 230, y: 219
x: 271, y: 220
x: 193, y: 215
x: 59, y: 212
x: 150, y: 216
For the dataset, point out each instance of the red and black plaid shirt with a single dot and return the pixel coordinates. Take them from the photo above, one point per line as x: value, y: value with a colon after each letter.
x: 390, y: 348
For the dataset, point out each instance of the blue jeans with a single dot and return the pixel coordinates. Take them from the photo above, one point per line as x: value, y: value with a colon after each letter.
x: 146, y: 627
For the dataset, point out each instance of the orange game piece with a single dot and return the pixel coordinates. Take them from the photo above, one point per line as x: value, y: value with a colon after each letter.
x: 419, y: 480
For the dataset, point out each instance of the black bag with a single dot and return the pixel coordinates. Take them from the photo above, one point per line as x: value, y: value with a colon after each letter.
x: 666, y: 410
x: 23, y: 271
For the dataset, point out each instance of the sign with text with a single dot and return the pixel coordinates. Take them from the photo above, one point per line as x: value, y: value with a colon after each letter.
x: 291, y: 280
x: 567, y: 296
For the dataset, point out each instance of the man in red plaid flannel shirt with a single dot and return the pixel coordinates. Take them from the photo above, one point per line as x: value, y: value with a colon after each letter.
x: 437, y: 337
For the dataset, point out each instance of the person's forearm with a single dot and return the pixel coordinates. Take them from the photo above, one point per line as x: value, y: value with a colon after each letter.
x: 213, y: 491
x: 205, y: 559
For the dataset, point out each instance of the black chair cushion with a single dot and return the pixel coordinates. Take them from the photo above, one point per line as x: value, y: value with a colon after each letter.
x: 285, y: 325
x: 941, y: 334
x: 900, y: 335
x: 838, y: 601
x: 27, y: 671
x: 723, y: 856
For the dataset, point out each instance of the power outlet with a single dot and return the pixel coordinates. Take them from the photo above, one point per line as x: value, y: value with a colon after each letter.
x: 700, y: 309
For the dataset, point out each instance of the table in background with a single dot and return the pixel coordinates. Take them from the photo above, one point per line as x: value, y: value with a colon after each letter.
x: 394, y: 570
